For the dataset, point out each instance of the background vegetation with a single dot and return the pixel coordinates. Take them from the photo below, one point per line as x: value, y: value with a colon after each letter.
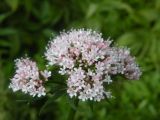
x: 27, y: 25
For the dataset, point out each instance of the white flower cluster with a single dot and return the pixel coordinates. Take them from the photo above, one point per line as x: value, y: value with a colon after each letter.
x: 89, y: 61
x: 27, y: 78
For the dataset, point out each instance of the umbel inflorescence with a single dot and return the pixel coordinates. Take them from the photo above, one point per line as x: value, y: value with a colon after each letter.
x: 87, y: 59
x: 27, y: 78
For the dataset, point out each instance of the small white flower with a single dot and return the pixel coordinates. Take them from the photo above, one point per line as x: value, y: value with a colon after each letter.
x: 46, y: 73
x: 107, y: 79
x: 62, y: 71
x: 108, y: 94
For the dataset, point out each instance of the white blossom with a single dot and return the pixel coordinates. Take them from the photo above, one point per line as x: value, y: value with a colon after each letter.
x: 46, y: 74
x: 27, y: 78
x: 89, y: 61
x: 107, y: 79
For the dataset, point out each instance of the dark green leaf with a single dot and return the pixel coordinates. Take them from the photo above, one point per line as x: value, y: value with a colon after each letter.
x: 13, y: 4
x: 91, y: 105
x: 7, y: 31
x: 4, y: 16
x: 55, y: 95
x: 71, y: 101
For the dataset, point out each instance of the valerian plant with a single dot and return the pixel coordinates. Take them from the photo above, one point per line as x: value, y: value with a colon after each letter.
x: 85, y: 58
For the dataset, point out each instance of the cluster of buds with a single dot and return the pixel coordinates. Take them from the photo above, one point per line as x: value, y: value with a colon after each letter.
x: 28, y: 78
x: 89, y: 61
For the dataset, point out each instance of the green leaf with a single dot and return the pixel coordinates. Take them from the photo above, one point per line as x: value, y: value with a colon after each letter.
x: 142, y: 104
x: 28, y: 5
x: 13, y: 4
x: 56, y: 89
x: 91, y: 105
x: 112, y: 5
x: 73, y: 111
x: 4, y: 16
x: 108, y: 100
x: 56, y: 95
x: 22, y: 101
x: 49, y: 32
x: 7, y: 31
x: 71, y: 101
x: 14, y: 50
x: 149, y: 14
x: 47, y: 103
x: 4, y: 43
x: 126, y: 39
x: 91, y: 10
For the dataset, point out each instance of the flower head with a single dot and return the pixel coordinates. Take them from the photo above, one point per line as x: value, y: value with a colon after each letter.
x: 89, y: 60
x: 27, y: 78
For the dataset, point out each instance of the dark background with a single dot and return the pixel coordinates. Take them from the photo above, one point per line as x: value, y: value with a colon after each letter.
x: 26, y: 26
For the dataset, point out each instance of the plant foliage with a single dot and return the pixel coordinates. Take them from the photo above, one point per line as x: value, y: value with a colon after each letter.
x: 27, y: 25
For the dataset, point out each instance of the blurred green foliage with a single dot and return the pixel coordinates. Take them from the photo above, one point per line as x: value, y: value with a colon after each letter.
x: 27, y: 25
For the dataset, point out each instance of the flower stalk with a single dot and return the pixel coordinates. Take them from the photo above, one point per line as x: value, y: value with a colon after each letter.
x: 72, y: 111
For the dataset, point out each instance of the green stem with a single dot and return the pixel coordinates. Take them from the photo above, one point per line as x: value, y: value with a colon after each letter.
x: 72, y: 112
